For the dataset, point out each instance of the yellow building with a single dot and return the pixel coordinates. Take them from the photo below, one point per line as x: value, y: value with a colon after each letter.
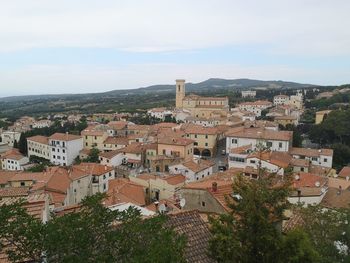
x: 200, y: 107
x: 94, y: 138
x: 176, y: 147
x: 205, y: 139
x: 321, y: 115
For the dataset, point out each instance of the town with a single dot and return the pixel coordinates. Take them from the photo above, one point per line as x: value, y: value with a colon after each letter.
x: 182, y: 163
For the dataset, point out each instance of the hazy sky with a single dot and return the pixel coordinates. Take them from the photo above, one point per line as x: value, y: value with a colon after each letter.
x: 72, y: 46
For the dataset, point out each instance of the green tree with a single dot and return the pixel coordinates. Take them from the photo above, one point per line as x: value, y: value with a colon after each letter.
x: 22, y: 144
x: 249, y: 232
x: 92, y: 157
x: 93, y: 234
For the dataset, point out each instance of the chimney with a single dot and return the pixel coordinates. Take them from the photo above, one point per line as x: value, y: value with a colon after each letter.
x: 105, y: 167
x: 214, y: 186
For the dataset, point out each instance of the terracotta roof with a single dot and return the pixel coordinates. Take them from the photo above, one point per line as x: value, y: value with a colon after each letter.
x: 190, y: 224
x: 311, y: 152
x: 134, y: 148
x: 13, y: 191
x: 13, y: 154
x: 175, y: 179
x: 118, y: 125
x: 300, y: 162
x: 6, y: 176
x: 197, y: 166
x: 199, y: 129
x: 175, y: 141
x: 258, y: 102
x: 117, y: 140
x: 111, y: 154
x: 170, y: 204
x: 260, y: 133
x: 241, y: 150
x: 337, y: 198
x: 92, y: 132
x: 345, y: 172
x: 64, y: 137
x: 308, y: 180
x: 123, y: 191
x: 39, y: 139
x: 94, y: 168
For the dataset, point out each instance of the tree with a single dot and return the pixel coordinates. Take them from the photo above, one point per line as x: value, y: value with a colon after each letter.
x: 329, y: 232
x: 249, y: 232
x: 92, y: 156
x: 92, y: 234
x: 15, y: 144
x: 22, y: 144
x: 297, y: 247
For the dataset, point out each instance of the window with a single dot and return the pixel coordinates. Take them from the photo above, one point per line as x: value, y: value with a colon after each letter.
x: 53, y: 149
x: 195, y: 143
x: 206, y: 144
x: 64, y: 158
x: 195, y: 136
x: 206, y: 136
x: 203, y: 204
x: 314, y: 158
x: 236, y: 159
x: 268, y: 144
x: 64, y: 151
x: 110, y: 174
x: 252, y: 161
x: 280, y: 145
x: 104, y: 187
x: 104, y: 176
x: 302, y: 169
x: 325, y: 160
x: 23, y: 183
x: 234, y: 141
x: 54, y: 156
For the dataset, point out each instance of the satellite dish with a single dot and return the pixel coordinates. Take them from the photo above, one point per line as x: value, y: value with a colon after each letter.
x: 317, y: 184
x: 297, y: 177
x: 182, y: 202
x: 162, y: 209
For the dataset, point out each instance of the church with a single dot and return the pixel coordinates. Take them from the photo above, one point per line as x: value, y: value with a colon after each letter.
x: 198, y: 106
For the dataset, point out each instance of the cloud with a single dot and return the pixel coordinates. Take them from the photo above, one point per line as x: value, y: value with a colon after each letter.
x: 289, y: 27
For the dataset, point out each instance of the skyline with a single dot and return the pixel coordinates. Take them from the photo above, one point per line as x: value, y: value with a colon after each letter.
x: 49, y: 47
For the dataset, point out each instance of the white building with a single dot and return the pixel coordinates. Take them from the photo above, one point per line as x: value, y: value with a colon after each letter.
x: 193, y: 170
x: 64, y: 148
x: 274, y: 140
x: 248, y: 93
x: 42, y: 124
x: 112, y: 158
x: 159, y: 113
x: 13, y: 160
x: 322, y: 157
x: 255, y: 107
x: 9, y: 137
x: 39, y: 146
x: 280, y: 100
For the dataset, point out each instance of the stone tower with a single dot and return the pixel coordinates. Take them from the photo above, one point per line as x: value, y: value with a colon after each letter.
x: 180, y: 92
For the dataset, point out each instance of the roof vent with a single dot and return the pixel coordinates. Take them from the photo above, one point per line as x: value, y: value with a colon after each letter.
x: 214, y: 186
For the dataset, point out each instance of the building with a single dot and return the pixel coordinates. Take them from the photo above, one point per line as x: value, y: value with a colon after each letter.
x: 308, y: 189
x: 41, y: 124
x: 319, y: 157
x: 248, y: 93
x: 321, y: 115
x: 193, y: 170
x: 205, y: 139
x: 255, y: 107
x: 159, y: 187
x: 13, y: 160
x: 286, y: 120
x: 115, y: 143
x: 160, y: 113
x: 280, y: 141
x: 176, y: 147
x: 280, y: 100
x: 112, y: 158
x: 39, y: 146
x: 94, y: 138
x: 10, y: 137
x: 64, y: 148
x: 198, y: 106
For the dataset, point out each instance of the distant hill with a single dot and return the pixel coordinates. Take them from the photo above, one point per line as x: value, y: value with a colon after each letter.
x: 210, y: 84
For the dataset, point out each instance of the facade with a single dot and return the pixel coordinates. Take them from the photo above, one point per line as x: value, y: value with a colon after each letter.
x: 39, y: 146
x: 13, y: 160
x: 112, y: 158
x: 280, y: 100
x: 42, y: 124
x: 280, y: 141
x: 64, y: 148
x: 160, y: 113
x: 94, y: 138
x: 10, y: 137
x: 193, y: 170
x: 205, y: 139
x: 176, y: 147
x: 321, y: 157
x: 255, y: 107
x: 200, y: 107
x: 248, y: 93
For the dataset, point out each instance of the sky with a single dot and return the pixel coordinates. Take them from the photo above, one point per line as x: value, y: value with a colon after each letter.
x: 78, y: 46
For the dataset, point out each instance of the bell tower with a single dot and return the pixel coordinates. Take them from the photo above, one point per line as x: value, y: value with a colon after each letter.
x: 180, y: 92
